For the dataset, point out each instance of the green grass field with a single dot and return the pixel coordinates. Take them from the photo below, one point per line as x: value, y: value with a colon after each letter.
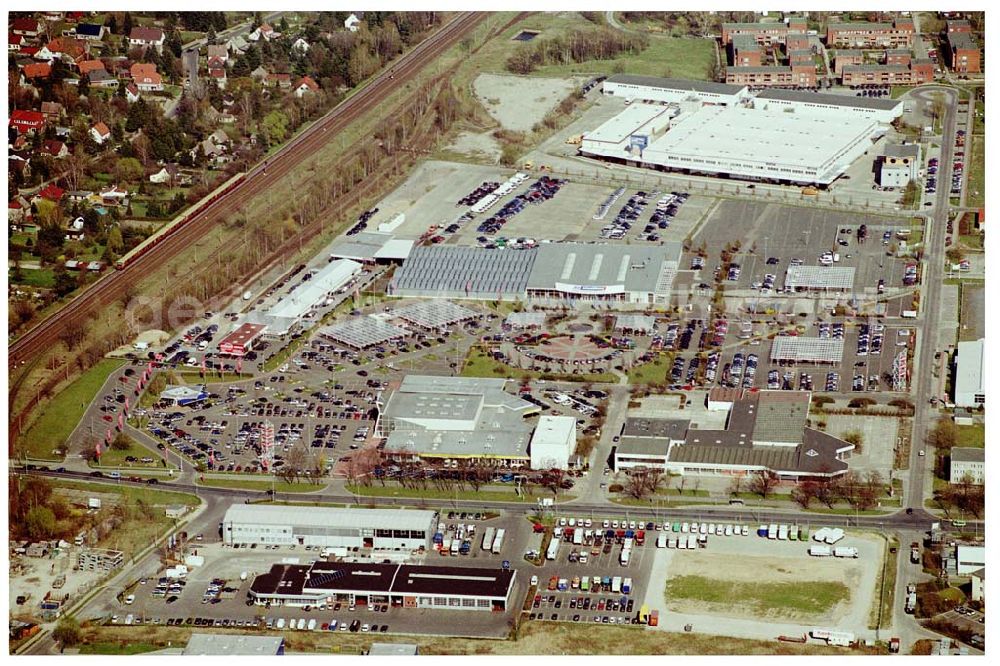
x: 680, y: 57
x: 770, y: 599
x: 43, y: 278
x: 251, y: 484
x: 976, y: 192
x: 116, y: 458
x: 974, y: 435
x: 132, y: 494
x: 654, y: 372
x: 54, y: 425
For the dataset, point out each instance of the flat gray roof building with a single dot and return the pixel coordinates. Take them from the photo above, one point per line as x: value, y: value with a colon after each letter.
x: 970, y: 372
x: 677, y: 84
x: 463, y: 272
x: 434, y: 314
x: 840, y: 278
x: 457, y: 417
x: 826, y: 99
x: 235, y: 645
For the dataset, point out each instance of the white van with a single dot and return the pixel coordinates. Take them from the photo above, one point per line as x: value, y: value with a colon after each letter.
x: 280, y: 624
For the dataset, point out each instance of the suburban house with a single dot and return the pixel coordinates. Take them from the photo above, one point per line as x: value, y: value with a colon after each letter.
x: 131, y: 93
x: 52, y: 193
x: 219, y: 51
x: 306, y: 86
x: 100, y: 133
x: 90, y: 31
x: 300, y: 46
x: 146, y: 37
x: 280, y: 80
x: 26, y: 27
x: 113, y: 196
x: 88, y: 66
x: 55, y: 148
x: 351, y: 23
x: 52, y: 111
x: 27, y: 121
x: 37, y: 70
x: 145, y: 77
x: 99, y: 78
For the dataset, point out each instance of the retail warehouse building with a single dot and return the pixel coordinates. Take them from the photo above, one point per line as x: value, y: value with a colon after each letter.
x: 780, y: 136
x: 373, y: 529
x: 401, y: 586
x: 552, y: 274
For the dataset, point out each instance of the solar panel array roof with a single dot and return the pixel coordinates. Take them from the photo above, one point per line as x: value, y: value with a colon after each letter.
x: 463, y: 272
x: 434, y: 314
x: 363, y: 332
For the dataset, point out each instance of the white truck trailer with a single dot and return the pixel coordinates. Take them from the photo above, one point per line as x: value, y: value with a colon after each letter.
x: 553, y: 550
x: 488, y: 538
x: 498, y: 541
x: 845, y: 551
x: 820, y: 551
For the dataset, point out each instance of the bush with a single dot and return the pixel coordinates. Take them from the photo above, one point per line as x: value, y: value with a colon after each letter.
x: 860, y: 403
x: 820, y: 400
x: 616, y: 488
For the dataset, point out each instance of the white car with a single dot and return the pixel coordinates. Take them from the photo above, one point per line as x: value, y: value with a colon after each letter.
x: 312, y: 624
x: 562, y: 522
x: 129, y: 600
x: 534, y: 580
x: 365, y: 628
x: 745, y: 530
x: 280, y: 624
x: 302, y: 624
x: 607, y: 524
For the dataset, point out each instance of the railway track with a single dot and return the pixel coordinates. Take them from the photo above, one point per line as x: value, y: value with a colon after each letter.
x: 258, y: 179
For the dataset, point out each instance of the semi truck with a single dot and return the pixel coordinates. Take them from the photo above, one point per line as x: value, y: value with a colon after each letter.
x: 616, y: 584
x: 553, y: 549
x: 488, y: 536
x: 915, y: 552
x: 498, y: 541
x: 627, y: 586
x: 911, y: 598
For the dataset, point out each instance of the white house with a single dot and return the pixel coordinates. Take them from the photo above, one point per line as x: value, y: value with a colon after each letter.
x: 967, y: 461
x: 301, y: 46
x: 351, y: 23
x: 145, y: 37
x: 100, y: 133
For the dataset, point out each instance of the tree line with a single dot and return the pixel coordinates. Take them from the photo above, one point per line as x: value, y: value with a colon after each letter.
x: 579, y: 45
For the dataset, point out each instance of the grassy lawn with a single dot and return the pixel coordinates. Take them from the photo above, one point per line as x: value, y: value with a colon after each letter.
x: 54, y: 425
x: 132, y: 494
x: 434, y: 493
x: 116, y: 458
x: 681, y: 57
x: 974, y: 435
x: 771, y: 599
x: 480, y: 364
x: 250, y: 484
x: 898, y: 91
x: 976, y: 191
x: 43, y: 278
x: 654, y: 372
x: 534, y: 638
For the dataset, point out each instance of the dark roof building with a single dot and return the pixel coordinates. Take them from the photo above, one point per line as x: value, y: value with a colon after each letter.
x: 407, y: 585
x: 764, y: 431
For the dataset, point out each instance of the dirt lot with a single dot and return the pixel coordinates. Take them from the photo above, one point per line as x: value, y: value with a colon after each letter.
x: 535, y: 638
x: 761, y: 580
x: 518, y: 102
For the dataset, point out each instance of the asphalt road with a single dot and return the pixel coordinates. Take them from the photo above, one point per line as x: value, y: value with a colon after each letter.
x: 933, y: 266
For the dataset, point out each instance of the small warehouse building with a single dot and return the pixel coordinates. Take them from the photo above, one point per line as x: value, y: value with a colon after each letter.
x: 899, y: 165
x: 553, y: 442
x: 241, y: 340
x: 970, y: 391
x: 242, y: 645
x: 825, y: 105
x: 370, y: 529
x: 646, y: 443
x: 656, y: 89
x: 284, y: 315
x: 398, y: 585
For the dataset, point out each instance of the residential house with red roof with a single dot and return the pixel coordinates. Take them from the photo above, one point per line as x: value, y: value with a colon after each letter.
x: 306, y: 86
x: 145, y: 77
x: 219, y: 51
x: 131, y: 93
x: 51, y: 193
x: 37, y: 70
x: 14, y: 42
x: 88, y: 66
x: 100, y: 133
x: 27, y: 27
x: 27, y: 121
x: 55, y: 148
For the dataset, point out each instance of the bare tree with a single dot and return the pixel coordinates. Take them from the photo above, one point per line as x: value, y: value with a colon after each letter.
x: 643, y: 482
x: 763, y: 483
